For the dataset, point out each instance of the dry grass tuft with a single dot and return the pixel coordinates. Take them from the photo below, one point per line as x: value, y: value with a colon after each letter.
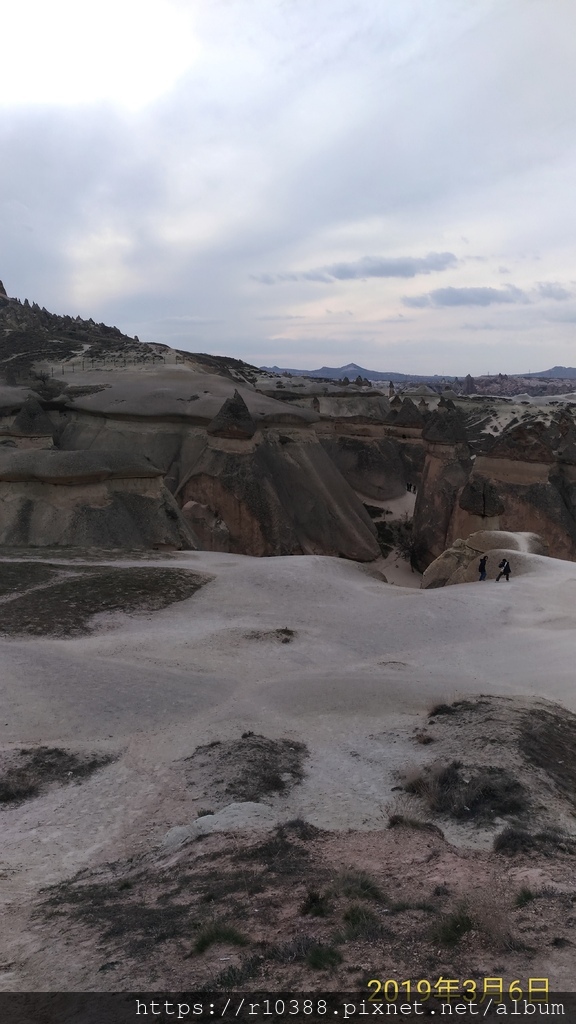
x: 31, y: 769
x: 472, y: 793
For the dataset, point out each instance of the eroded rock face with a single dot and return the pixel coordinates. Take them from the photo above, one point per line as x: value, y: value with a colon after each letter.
x: 524, y: 481
x: 459, y: 563
x: 233, y: 420
x: 446, y: 470
x: 480, y: 497
x: 279, y: 495
x: 87, y: 499
x: 372, y: 466
x: 207, y: 526
x: 255, y: 465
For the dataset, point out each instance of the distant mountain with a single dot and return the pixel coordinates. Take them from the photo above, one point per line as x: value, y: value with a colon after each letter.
x: 564, y: 372
x: 352, y: 370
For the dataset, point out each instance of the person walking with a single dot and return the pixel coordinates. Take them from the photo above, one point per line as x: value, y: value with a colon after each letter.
x: 505, y: 570
x: 482, y: 567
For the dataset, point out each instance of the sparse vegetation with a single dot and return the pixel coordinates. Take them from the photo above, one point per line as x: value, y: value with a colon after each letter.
x: 453, y: 926
x: 74, y: 594
x: 478, y: 793
x: 218, y: 932
x: 362, y: 923
x: 358, y: 885
x: 322, y: 958
x: 423, y: 738
x: 547, y: 740
x: 402, y: 820
x: 514, y: 840
x: 524, y: 897
x: 252, y: 766
x: 28, y: 771
x: 280, y: 854
x: 316, y: 904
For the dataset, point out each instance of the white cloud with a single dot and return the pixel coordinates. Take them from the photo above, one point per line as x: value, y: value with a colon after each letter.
x: 66, y: 52
x: 158, y: 155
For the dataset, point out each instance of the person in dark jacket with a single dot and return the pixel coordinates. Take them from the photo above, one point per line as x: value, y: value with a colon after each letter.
x: 505, y: 570
x: 482, y: 567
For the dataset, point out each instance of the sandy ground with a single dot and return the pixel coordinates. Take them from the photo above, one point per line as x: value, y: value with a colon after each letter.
x: 364, y: 665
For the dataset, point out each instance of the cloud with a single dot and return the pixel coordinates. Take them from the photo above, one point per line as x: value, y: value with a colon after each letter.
x: 280, y: 316
x: 467, y: 297
x: 553, y: 290
x: 368, y: 266
x: 184, y: 147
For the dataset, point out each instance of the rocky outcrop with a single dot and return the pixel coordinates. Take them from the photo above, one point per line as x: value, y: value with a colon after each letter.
x: 210, y: 530
x: 480, y: 498
x: 261, y: 471
x: 233, y: 420
x: 277, y: 495
x: 409, y: 416
x: 248, y: 472
x: 446, y: 470
x: 372, y: 466
x: 87, y: 499
x: 30, y: 428
x: 459, y: 563
x: 31, y: 420
x: 524, y: 482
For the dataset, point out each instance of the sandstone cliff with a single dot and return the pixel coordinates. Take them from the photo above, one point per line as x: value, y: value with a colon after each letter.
x: 87, y: 499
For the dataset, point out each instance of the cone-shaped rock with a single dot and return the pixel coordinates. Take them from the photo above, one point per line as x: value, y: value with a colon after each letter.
x: 233, y: 419
x: 445, y: 427
x: 408, y: 415
x: 32, y: 419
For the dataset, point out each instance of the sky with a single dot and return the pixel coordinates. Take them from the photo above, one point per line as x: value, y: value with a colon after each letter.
x: 298, y: 184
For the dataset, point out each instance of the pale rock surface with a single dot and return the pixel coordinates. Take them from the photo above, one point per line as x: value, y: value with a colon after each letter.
x: 232, y: 818
x: 459, y: 563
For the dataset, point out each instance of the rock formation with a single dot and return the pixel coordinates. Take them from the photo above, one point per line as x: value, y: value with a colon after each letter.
x: 459, y: 563
x: 251, y: 467
x: 524, y: 480
x: 372, y: 466
x: 87, y: 499
x: 446, y: 470
x: 277, y: 495
x: 233, y: 420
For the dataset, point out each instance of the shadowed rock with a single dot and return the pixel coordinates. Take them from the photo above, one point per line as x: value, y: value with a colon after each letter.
x: 233, y: 420
x: 481, y: 498
x: 445, y: 426
x: 281, y: 497
x: 32, y: 419
x: 408, y: 415
x: 87, y: 499
x: 527, y: 443
x: 372, y: 466
x: 74, y: 468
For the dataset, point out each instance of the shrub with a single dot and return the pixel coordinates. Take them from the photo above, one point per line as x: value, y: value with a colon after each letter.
x: 321, y: 957
x: 218, y: 932
x: 488, y: 793
x: 452, y: 927
x: 315, y: 904
x: 524, y: 897
x: 359, y: 885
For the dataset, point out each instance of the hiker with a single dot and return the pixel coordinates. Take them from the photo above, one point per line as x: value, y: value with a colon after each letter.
x: 505, y: 570
x: 482, y: 567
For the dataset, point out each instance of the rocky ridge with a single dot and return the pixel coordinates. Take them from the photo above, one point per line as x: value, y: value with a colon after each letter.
x: 249, y: 463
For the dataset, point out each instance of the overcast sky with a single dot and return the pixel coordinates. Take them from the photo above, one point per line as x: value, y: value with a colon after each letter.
x: 298, y: 182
